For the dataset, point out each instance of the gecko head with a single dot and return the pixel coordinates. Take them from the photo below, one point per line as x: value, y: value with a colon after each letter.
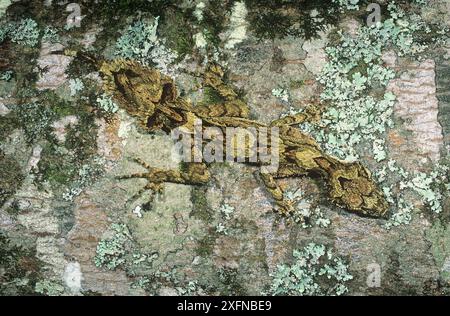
x: 141, y: 91
x: 353, y: 188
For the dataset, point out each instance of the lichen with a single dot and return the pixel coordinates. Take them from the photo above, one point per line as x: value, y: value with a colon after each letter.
x: 281, y: 94
x: 238, y: 25
x: 431, y: 187
x: 316, y: 271
x: 4, y: 4
x: 106, y: 104
x: 25, y: 32
x: 6, y: 75
x: 354, y: 71
x: 111, y: 251
x: 226, y: 213
x: 76, y: 85
x: 49, y: 288
x: 50, y: 35
x: 36, y: 119
x: 119, y: 250
x: 85, y: 176
x: 154, y: 281
x: 347, y: 4
x: 304, y: 213
x: 141, y: 43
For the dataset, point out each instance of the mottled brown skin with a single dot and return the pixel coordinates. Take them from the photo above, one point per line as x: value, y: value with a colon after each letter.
x: 152, y: 99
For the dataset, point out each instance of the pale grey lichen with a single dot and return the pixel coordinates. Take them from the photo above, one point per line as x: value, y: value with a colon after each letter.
x: 221, y: 229
x: 50, y: 35
x: 304, y: 213
x: 4, y: 4
x: 354, y: 69
x: 431, y: 187
x: 316, y: 271
x: 38, y: 118
x: 226, y: 212
x: 198, y: 12
x: 106, y: 104
x: 191, y: 288
x: 6, y: 75
x: 200, y: 40
x: 347, y: 4
x: 49, y: 288
x: 238, y: 25
x: 76, y: 85
x: 154, y: 281
x: 281, y: 94
x: 119, y: 250
x: 25, y: 32
x: 111, y: 251
x: 141, y: 43
x: 86, y: 175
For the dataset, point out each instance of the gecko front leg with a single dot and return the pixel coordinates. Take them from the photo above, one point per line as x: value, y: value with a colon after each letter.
x: 232, y: 105
x: 285, y: 206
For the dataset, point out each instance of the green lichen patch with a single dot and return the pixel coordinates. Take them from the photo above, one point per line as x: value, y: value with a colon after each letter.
x: 119, y: 250
x: 140, y: 42
x: 354, y: 72
x: 304, y: 212
x: 24, y: 32
x: 431, y: 188
x: 49, y: 288
x: 111, y: 251
x: 316, y: 271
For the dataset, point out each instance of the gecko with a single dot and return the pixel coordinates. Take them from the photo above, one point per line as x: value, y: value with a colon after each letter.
x: 152, y: 98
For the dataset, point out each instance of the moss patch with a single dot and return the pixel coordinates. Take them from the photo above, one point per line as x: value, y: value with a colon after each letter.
x: 19, y: 268
x: 201, y: 210
x: 11, y: 177
x: 205, y: 246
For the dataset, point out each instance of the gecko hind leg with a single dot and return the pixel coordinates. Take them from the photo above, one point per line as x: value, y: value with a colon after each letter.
x: 195, y: 174
x: 153, y: 186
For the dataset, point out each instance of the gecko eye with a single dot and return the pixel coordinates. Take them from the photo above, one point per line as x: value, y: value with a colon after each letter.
x: 168, y: 93
x: 345, y: 183
x: 131, y: 74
